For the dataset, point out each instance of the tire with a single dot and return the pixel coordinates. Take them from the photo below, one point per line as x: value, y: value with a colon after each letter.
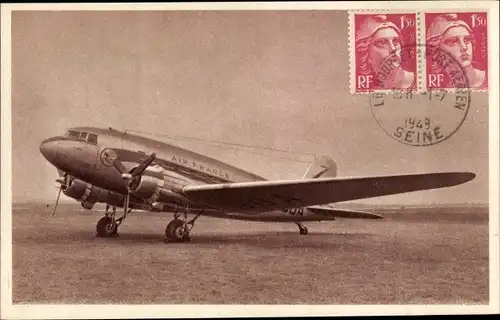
x: 175, y: 231
x: 105, y: 228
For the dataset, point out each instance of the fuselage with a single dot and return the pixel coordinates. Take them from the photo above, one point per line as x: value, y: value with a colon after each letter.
x: 132, y: 149
x: 86, y: 154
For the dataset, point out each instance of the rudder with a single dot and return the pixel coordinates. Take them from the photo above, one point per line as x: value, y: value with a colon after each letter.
x: 322, y: 166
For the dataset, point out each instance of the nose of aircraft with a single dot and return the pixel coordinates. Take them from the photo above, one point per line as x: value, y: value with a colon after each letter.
x: 75, y: 156
x: 49, y: 149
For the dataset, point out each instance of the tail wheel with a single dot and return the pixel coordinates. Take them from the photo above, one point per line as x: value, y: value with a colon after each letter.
x: 106, y: 228
x: 176, y: 231
x: 303, y: 230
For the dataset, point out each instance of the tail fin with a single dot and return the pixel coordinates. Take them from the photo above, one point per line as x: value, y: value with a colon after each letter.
x: 322, y: 166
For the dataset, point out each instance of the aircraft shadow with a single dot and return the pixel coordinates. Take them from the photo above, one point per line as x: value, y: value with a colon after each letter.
x: 80, y: 236
x: 317, y: 240
x: 286, y: 239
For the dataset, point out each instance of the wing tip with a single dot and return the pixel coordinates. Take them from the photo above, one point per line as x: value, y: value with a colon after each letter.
x: 471, y: 175
x: 463, y: 177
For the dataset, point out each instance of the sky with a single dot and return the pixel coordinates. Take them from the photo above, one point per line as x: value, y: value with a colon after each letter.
x: 268, y: 78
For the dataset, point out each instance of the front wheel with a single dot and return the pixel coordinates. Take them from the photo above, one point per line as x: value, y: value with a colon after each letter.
x: 176, y: 231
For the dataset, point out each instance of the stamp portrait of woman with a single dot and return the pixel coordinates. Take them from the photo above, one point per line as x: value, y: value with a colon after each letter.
x: 456, y: 38
x: 378, y: 45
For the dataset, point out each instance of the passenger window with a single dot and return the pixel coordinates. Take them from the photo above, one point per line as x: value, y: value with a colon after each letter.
x: 83, y: 135
x: 92, y: 138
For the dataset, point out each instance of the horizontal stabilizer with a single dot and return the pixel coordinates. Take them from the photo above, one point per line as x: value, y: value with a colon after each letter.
x: 343, y: 213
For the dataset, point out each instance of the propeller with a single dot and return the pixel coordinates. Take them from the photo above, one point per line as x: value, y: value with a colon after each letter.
x: 57, y: 201
x: 131, y: 176
x: 63, y: 182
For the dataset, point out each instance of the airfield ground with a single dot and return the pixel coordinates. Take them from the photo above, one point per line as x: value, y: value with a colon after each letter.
x: 397, y: 260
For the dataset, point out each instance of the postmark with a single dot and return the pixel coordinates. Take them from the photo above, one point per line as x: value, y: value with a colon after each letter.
x: 373, y: 38
x: 423, y: 118
x: 462, y: 35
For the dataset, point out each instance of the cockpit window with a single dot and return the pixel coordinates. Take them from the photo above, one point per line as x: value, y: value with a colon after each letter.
x: 86, y: 136
x: 92, y: 138
x: 73, y: 134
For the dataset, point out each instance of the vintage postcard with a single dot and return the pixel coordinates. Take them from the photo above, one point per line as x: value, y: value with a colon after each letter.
x: 249, y: 159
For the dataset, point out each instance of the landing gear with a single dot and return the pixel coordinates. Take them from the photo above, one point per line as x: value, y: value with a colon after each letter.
x: 178, y: 230
x: 303, y: 230
x: 107, y: 226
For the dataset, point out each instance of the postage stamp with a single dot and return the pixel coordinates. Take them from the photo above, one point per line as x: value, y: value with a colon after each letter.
x: 393, y: 51
x: 377, y: 40
x: 463, y: 35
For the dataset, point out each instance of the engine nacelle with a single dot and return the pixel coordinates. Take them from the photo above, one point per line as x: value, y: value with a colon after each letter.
x: 152, y: 187
x: 75, y: 189
x: 149, y: 185
x: 89, y: 194
x: 157, y: 187
x: 88, y: 205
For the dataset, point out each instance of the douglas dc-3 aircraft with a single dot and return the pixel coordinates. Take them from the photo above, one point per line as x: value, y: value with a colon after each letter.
x: 120, y: 169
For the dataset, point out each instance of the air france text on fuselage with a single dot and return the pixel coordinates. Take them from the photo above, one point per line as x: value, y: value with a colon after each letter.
x: 193, y: 164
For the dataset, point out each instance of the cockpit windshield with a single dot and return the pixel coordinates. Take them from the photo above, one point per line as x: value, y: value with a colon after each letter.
x: 73, y: 134
x: 86, y: 136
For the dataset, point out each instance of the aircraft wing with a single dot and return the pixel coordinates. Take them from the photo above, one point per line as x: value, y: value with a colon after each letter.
x: 274, y: 195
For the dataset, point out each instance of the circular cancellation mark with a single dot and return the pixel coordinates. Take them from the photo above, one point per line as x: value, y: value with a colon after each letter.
x: 425, y: 118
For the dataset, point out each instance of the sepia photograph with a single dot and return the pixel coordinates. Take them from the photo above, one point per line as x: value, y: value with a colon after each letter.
x: 249, y: 160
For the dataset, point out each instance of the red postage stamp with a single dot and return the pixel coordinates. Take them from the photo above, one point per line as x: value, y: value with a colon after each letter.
x: 462, y: 36
x: 383, y: 52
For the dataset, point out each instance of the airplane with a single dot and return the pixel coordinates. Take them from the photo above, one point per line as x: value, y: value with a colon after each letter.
x: 129, y: 171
